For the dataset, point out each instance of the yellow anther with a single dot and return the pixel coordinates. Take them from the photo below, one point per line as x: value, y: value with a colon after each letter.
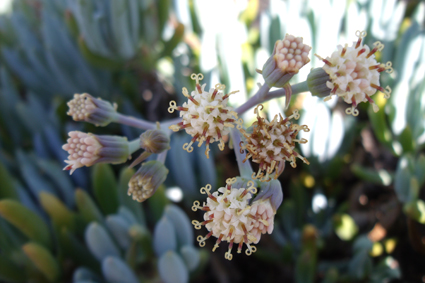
x: 228, y: 255
x: 196, y: 224
x: 352, y: 111
x: 231, y: 181
x: 215, y: 247
x: 188, y: 147
x: 221, y: 145
x: 389, y: 67
x: 328, y: 98
x: 185, y: 92
x: 173, y: 106
x: 361, y: 34
x: 206, y: 189
x: 196, y: 205
x: 220, y: 86
x: 251, y: 188
x: 174, y: 128
x: 379, y: 45
x: 197, y: 77
x: 387, y: 92
x: 201, y: 240
x: 265, y: 222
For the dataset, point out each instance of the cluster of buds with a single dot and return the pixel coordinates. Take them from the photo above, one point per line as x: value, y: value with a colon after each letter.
x: 88, y: 149
x: 288, y: 57
x: 147, y: 179
x: 229, y: 217
x: 354, y: 73
x: 205, y: 116
x: 270, y: 144
x: 85, y: 107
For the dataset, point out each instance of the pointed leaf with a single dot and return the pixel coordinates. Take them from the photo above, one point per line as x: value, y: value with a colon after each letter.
x: 87, y: 208
x: 26, y: 221
x: 181, y: 223
x: 164, y: 237
x: 119, y: 228
x: 105, y: 188
x: 58, y: 212
x: 191, y: 257
x: 117, y: 271
x: 8, y: 189
x: 99, y: 242
x: 172, y: 269
x: 43, y: 260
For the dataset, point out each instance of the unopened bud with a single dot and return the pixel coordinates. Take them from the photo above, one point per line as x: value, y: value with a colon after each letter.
x: 288, y: 57
x: 316, y: 82
x: 88, y: 149
x: 85, y: 107
x: 146, y: 180
x: 154, y: 141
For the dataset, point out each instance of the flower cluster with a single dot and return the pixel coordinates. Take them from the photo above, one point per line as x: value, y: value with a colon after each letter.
x: 354, y: 73
x: 270, y: 144
x: 205, y: 116
x: 88, y: 149
x: 229, y: 217
x: 288, y: 57
x: 85, y: 107
x: 147, y: 179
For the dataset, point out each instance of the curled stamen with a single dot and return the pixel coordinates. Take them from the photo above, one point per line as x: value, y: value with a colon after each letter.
x: 197, y: 224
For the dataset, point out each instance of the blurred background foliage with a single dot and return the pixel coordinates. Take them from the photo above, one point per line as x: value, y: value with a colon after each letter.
x: 356, y: 214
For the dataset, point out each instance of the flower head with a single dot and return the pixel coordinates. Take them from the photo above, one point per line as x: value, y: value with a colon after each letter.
x: 205, y: 116
x: 144, y: 183
x: 354, y: 73
x: 88, y: 149
x: 85, y: 107
x: 272, y: 143
x: 288, y: 57
x: 229, y: 217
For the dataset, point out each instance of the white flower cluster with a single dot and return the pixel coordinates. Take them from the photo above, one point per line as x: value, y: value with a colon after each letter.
x: 355, y: 73
x: 272, y: 143
x: 205, y: 116
x: 229, y: 217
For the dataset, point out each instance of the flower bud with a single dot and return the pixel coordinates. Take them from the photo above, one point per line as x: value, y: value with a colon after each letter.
x: 88, y: 149
x: 85, y: 107
x: 288, y: 57
x: 144, y: 183
x: 154, y: 141
x: 316, y: 81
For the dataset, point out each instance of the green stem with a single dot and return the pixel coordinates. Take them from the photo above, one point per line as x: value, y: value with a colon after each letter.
x: 264, y: 95
x: 134, y: 145
x: 135, y: 122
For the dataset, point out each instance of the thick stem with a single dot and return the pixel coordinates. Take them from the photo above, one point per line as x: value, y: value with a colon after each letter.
x: 264, y: 95
x: 135, y: 122
x: 245, y: 168
x: 168, y: 123
x: 254, y: 100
